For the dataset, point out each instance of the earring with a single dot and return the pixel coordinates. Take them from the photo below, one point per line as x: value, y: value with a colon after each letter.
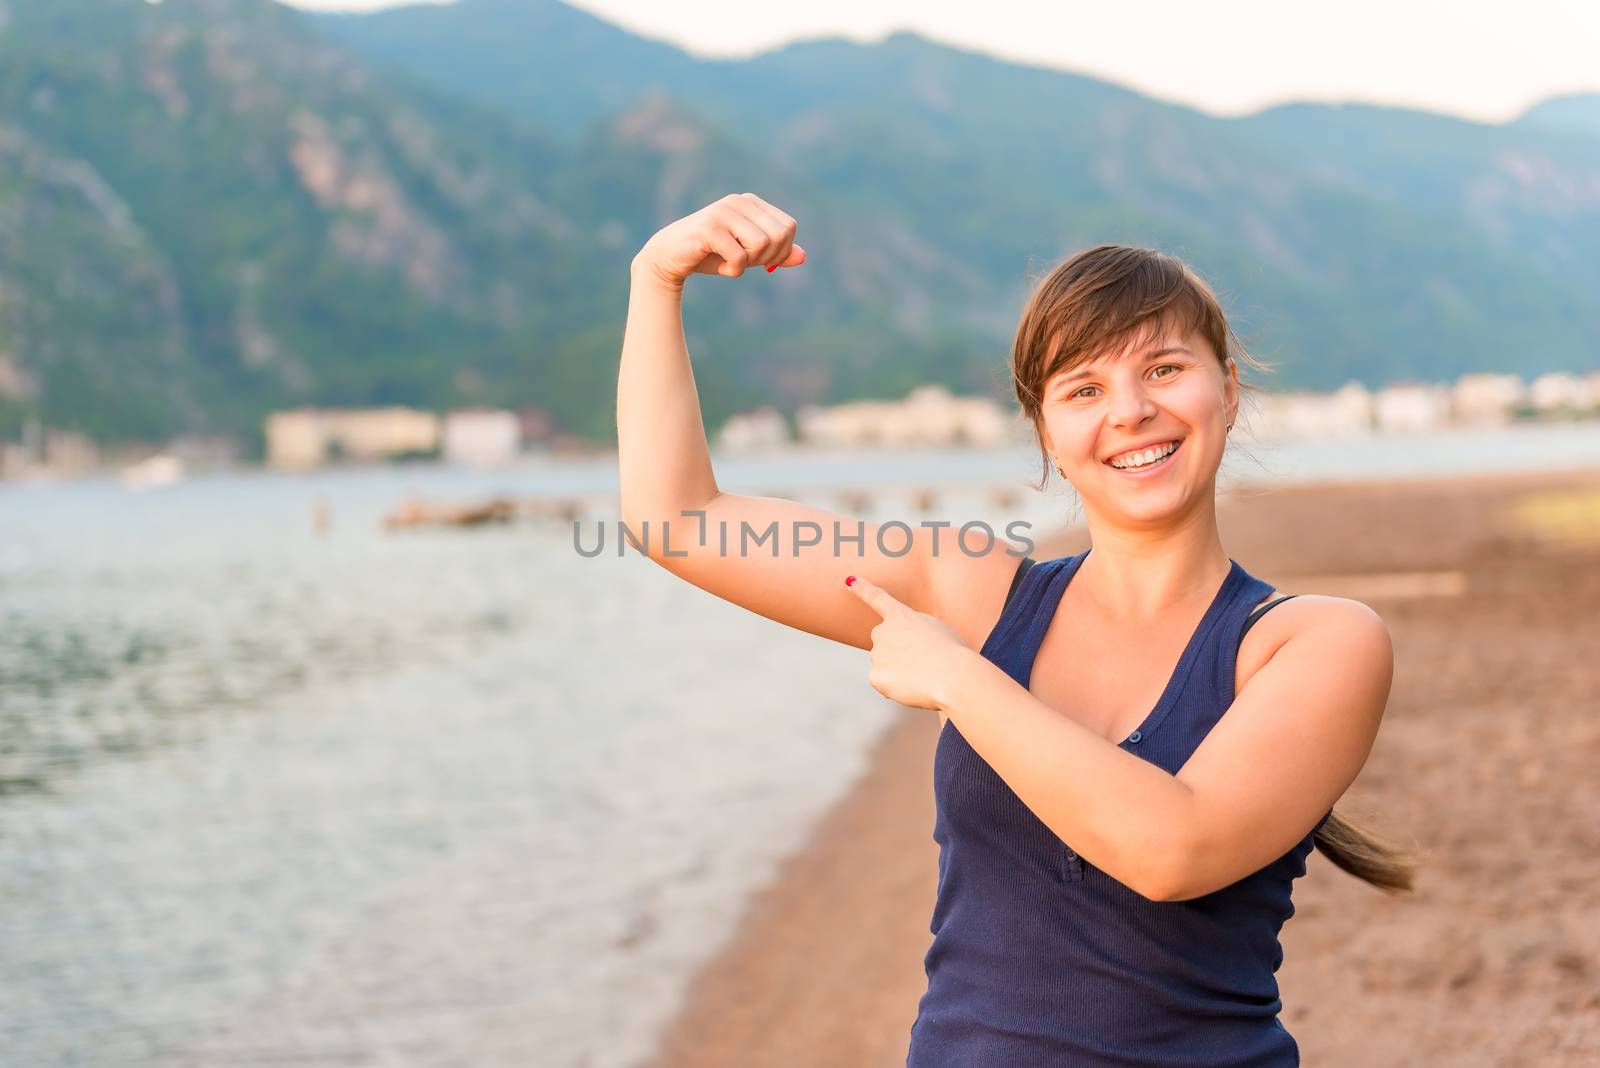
x: 1230, y: 428
x: 1060, y: 472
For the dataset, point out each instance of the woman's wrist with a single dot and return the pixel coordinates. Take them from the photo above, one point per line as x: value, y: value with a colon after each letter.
x: 644, y: 273
x: 962, y: 678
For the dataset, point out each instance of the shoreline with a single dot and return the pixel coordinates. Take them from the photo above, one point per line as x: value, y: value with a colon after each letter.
x: 1481, y: 760
x: 1516, y: 447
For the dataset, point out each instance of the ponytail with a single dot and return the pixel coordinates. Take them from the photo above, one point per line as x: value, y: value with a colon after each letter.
x: 1355, y: 849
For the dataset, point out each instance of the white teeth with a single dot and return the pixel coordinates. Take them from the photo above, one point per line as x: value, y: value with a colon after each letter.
x: 1147, y: 456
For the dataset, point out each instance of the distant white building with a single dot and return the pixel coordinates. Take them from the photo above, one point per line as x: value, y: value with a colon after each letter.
x: 929, y: 415
x: 482, y: 437
x: 972, y: 420
x: 1412, y: 406
x: 763, y: 428
x: 1592, y: 381
x: 306, y: 437
x: 49, y: 453
x: 69, y: 452
x: 153, y: 472
x: 1559, y: 391
x: 1487, y: 398
x: 1347, y: 410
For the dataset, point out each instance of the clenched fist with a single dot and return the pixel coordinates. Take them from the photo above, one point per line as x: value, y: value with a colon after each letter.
x: 741, y: 230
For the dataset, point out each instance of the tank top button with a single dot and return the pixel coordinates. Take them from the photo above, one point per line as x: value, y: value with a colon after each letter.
x: 1134, y: 737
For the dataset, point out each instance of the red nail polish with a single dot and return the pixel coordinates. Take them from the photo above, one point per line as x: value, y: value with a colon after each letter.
x: 771, y: 267
x: 850, y: 580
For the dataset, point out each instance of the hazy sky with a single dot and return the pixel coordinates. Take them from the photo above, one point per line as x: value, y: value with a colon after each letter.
x: 1486, y: 61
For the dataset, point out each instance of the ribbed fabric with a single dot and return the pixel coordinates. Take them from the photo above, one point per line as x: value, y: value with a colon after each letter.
x: 1041, y: 959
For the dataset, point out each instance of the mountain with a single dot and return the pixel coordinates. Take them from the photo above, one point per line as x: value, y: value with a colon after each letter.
x: 212, y: 212
x: 517, y: 54
x: 1350, y: 241
x: 216, y: 212
x: 1576, y: 111
x: 213, y: 208
x: 1527, y: 188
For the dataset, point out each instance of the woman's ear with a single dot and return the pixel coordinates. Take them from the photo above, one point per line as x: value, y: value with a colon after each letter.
x: 1230, y: 389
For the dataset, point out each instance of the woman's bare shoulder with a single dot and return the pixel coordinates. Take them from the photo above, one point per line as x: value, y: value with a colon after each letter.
x: 970, y: 591
x: 1301, y: 613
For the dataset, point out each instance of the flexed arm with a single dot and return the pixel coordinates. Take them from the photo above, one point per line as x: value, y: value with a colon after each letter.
x: 665, y: 462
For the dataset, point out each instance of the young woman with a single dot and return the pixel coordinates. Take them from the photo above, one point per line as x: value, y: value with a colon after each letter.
x: 1116, y: 854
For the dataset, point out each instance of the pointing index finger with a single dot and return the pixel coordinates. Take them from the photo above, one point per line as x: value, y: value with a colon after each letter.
x: 878, y: 599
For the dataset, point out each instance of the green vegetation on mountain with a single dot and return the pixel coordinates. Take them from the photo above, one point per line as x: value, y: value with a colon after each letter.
x: 213, y: 208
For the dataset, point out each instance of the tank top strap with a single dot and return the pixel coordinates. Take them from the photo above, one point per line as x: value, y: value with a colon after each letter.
x: 1223, y: 646
x: 1016, y: 579
x: 1016, y: 635
x: 1208, y: 689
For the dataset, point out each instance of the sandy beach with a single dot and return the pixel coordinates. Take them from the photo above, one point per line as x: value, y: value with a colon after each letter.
x: 1491, y: 589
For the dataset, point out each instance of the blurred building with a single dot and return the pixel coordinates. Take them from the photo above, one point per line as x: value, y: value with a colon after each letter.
x: 163, y: 469
x: 1559, y: 391
x: 481, y: 437
x: 929, y: 415
x: 68, y: 452
x: 1348, y: 410
x: 763, y: 428
x: 15, y: 460
x: 1411, y: 406
x: 50, y: 453
x: 1487, y: 398
x: 309, y: 437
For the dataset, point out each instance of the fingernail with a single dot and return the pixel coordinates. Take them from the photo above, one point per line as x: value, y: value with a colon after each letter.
x: 771, y: 267
x: 849, y: 580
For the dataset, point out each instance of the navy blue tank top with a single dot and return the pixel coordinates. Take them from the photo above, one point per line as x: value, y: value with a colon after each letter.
x: 1039, y: 958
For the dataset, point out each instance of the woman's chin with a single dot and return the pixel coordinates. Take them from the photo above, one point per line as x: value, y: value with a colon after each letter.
x: 1146, y: 506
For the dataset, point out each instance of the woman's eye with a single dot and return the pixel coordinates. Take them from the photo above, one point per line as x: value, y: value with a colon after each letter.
x: 1174, y: 366
x: 1079, y: 393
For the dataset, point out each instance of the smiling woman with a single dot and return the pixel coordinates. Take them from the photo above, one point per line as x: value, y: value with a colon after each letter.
x: 1141, y: 743
x: 1161, y: 762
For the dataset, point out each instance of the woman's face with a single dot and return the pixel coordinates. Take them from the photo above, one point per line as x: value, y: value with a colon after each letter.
x: 1149, y: 396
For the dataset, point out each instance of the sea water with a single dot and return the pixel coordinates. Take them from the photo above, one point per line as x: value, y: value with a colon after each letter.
x: 275, y: 795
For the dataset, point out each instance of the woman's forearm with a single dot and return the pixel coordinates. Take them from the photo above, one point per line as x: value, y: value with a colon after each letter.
x: 663, y: 459
x: 1125, y: 815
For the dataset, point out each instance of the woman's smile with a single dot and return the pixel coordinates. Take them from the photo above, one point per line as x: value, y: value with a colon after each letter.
x: 1152, y: 468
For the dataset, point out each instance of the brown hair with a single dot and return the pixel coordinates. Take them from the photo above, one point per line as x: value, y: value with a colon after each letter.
x: 1103, y: 300
x: 1116, y: 298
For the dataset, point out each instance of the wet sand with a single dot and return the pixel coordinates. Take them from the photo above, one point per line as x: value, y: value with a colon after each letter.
x: 1487, y: 759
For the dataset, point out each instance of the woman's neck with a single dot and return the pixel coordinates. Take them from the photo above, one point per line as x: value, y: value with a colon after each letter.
x: 1135, y: 576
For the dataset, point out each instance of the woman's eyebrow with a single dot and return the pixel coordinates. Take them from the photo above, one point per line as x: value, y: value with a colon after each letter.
x: 1163, y: 351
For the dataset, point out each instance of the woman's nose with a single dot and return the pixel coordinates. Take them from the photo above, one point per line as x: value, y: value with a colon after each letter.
x: 1130, y: 406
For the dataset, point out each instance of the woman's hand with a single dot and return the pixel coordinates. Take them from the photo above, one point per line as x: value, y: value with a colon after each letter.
x: 741, y: 230
x: 915, y: 657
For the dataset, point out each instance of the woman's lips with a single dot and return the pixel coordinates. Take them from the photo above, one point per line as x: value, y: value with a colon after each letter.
x: 1159, y: 465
